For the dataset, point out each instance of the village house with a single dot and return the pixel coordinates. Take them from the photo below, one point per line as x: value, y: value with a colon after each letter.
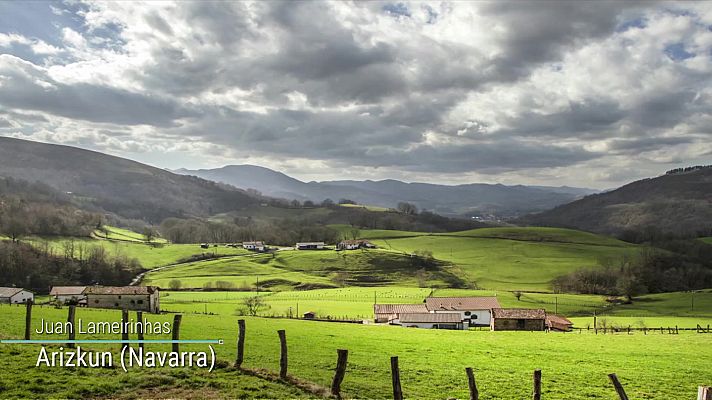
x: 310, y: 246
x: 354, y: 245
x: 68, y: 294
x: 558, y: 323
x: 387, y: 312
x: 309, y: 315
x: 138, y: 298
x: 473, y: 311
x: 254, y: 246
x: 15, y: 295
x: 518, y: 319
x: 430, y: 321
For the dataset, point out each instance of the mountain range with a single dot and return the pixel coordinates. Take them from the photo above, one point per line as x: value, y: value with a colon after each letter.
x: 460, y: 200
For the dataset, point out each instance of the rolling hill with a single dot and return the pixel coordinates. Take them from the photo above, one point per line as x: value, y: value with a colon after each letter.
x: 677, y: 203
x: 470, y: 199
x: 127, y: 188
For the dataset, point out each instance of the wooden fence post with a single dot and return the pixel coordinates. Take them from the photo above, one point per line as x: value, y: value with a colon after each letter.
x: 283, y: 353
x: 124, y: 328
x: 176, y: 331
x: 474, y: 393
x: 28, y: 319
x: 139, y: 317
x: 537, y: 384
x: 395, y: 377
x: 240, y: 343
x: 704, y: 393
x: 343, y: 356
x: 73, y: 330
x: 618, y: 386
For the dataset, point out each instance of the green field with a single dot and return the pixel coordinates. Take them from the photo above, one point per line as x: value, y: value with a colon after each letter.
x: 707, y: 240
x: 292, y: 268
x: 150, y: 256
x: 432, y: 362
x: 114, y: 233
x: 513, y: 258
x: 490, y: 258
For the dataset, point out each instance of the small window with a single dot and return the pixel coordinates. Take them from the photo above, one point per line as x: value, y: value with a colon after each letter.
x: 119, y: 297
x: 467, y: 313
x: 133, y: 302
x: 96, y: 301
x: 474, y: 316
x: 140, y: 302
x: 116, y: 304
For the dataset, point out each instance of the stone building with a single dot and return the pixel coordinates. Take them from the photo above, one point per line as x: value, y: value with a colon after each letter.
x: 138, y: 298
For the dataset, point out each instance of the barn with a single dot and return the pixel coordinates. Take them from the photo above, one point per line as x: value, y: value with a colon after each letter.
x: 68, y: 294
x: 139, y: 298
x: 429, y: 321
x: 386, y: 312
x: 255, y: 246
x: 558, y: 323
x: 474, y: 311
x: 310, y: 246
x: 13, y: 295
x: 518, y: 319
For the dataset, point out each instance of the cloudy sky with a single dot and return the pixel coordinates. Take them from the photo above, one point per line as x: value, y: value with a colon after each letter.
x: 579, y: 93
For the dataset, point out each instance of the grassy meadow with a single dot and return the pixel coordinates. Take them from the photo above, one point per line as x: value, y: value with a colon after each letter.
x: 432, y: 361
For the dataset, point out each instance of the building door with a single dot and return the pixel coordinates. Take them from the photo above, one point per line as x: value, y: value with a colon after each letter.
x: 520, y: 324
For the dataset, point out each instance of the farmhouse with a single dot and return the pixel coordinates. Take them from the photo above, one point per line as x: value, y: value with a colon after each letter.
x: 15, y: 295
x: 139, y: 298
x: 473, y: 311
x: 430, y: 320
x: 354, y: 244
x: 256, y: 246
x: 518, y: 319
x: 387, y: 312
x: 68, y: 294
x: 310, y: 246
x: 558, y: 323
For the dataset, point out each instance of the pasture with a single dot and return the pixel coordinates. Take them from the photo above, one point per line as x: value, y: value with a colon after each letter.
x: 432, y: 361
x: 513, y: 258
x: 114, y: 233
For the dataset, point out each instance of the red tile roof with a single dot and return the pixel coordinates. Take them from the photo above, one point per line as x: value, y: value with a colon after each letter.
x: 518, y: 313
x: 461, y: 303
x: 557, y: 319
x: 430, y: 318
x: 399, y: 308
x: 67, y: 290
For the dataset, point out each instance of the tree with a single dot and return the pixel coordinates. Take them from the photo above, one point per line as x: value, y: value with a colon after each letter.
x: 149, y: 234
x: 14, y: 226
x: 253, y: 304
x: 175, y: 284
x: 517, y: 294
x: 327, y: 203
x: 355, y: 233
x: 407, y: 208
x: 308, y: 204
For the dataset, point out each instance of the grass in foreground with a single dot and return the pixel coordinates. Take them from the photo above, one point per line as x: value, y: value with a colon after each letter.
x: 432, y: 362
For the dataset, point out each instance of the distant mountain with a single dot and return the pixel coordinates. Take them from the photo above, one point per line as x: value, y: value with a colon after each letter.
x: 460, y: 200
x: 679, y: 203
x: 127, y: 188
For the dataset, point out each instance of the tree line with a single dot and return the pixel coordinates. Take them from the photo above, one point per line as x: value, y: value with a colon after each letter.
x: 675, y: 265
x: 40, y: 267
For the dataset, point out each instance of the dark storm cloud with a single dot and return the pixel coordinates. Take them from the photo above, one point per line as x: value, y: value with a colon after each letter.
x: 27, y: 87
x: 636, y: 146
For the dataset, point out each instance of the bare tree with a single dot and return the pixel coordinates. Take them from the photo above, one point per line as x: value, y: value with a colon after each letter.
x: 253, y: 304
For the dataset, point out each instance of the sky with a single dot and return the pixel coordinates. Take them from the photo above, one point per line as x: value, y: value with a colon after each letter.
x: 588, y: 94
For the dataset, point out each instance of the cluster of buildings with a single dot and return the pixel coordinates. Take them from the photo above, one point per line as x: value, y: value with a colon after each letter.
x: 261, y: 246
x: 135, y: 298
x: 466, y: 312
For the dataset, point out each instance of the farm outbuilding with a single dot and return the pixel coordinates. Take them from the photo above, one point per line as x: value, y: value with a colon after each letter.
x: 518, y: 319
x: 310, y: 246
x: 68, y: 294
x: 386, y: 312
x: 474, y: 311
x: 429, y: 321
x: 558, y: 323
x: 354, y: 245
x: 139, y: 298
x: 13, y: 295
x: 309, y: 315
x: 255, y: 246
